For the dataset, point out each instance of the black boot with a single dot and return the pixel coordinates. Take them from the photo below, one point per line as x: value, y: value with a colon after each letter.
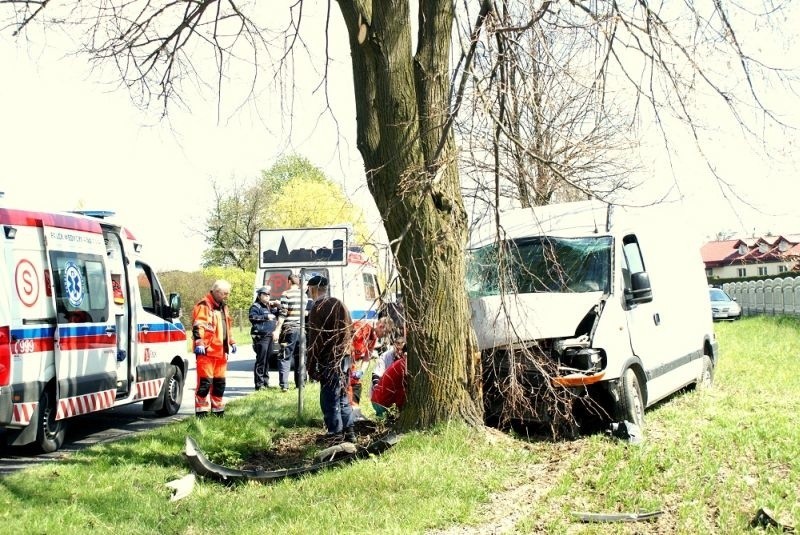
x: 350, y: 435
x: 202, y: 414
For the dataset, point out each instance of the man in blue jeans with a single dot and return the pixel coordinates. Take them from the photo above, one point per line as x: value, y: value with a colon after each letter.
x: 291, y: 308
x: 329, y: 333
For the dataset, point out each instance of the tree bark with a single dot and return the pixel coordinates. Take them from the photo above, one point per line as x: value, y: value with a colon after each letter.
x: 402, y: 105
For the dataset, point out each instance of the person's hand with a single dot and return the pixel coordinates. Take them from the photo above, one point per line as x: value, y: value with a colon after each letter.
x: 358, y: 374
x: 233, y: 349
x: 200, y: 350
x: 275, y: 336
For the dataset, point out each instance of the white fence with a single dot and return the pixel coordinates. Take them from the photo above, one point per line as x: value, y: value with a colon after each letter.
x: 769, y: 296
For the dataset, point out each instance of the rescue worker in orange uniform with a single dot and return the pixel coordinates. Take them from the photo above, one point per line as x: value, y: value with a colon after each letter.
x: 213, y: 342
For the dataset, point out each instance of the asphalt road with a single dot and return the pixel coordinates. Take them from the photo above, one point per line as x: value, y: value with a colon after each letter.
x: 116, y: 423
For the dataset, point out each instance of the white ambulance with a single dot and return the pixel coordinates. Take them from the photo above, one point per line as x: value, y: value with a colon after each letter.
x: 615, y: 300
x: 84, y: 325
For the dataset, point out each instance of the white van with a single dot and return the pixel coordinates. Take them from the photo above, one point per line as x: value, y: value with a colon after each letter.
x: 84, y: 325
x: 614, y: 301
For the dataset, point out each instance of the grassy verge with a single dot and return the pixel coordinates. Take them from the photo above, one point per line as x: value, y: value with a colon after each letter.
x: 709, y: 460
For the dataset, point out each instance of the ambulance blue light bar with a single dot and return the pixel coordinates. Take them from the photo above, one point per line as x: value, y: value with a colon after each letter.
x: 98, y: 214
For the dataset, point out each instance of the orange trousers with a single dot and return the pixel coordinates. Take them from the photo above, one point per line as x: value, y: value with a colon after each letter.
x: 211, y: 373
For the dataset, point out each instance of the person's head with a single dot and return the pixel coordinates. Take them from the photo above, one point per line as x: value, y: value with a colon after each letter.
x: 399, y: 345
x: 317, y: 286
x: 294, y: 280
x: 383, y: 326
x: 262, y: 294
x: 221, y: 290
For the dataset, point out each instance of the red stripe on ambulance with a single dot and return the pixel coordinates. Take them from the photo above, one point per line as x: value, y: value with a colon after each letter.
x: 22, y: 413
x: 85, y: 404
x: 149, y: 389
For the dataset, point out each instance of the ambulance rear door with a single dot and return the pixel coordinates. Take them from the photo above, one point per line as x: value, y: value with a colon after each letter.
x: 85, y: 334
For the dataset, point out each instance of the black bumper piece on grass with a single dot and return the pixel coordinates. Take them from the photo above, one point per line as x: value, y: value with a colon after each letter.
x: 205, y: 468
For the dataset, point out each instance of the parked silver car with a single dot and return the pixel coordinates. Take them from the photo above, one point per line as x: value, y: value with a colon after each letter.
x: 723, y: 306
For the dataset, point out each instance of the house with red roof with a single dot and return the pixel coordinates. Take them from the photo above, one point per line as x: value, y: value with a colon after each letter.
x: 764, y: 256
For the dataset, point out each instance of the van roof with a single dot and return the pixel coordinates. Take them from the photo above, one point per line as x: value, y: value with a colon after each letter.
x: 583, y: 218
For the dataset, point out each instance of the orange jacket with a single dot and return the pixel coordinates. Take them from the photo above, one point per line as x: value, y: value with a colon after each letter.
x: 208, y: 328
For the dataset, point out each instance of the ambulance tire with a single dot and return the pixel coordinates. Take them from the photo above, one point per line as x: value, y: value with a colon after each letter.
x: 173, y: 392
x: 631, y: 402
x: 49, y: 432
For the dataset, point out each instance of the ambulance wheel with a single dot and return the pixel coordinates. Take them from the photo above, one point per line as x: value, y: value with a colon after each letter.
x: 173, y: 392
x: 631, y: 402
x: 49, y: 432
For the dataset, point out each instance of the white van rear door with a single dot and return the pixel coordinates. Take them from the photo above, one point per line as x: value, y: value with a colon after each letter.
x: 85, y: 341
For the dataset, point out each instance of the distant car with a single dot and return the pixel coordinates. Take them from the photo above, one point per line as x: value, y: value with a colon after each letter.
x: 723, y: 306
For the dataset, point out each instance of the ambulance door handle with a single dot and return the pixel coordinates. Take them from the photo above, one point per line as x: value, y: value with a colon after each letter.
x: 145, y: 328
x: 111, y: 329
x: 656, y: 319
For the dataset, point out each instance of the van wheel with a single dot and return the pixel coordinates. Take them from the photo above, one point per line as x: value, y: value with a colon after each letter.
x: 49, y: 432
x: 631, y: 403
x: 173, y: 392
x: 706, y: 378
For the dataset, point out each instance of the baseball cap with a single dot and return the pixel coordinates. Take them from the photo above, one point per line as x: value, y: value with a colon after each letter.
x: 263, y: 290
x: 317, y: 280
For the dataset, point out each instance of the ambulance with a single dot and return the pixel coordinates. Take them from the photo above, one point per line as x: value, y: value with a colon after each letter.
x: 84, y: 325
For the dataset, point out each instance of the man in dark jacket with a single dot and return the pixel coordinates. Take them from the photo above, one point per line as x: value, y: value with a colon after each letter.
x: 264, y: 320
x: 329, y: 334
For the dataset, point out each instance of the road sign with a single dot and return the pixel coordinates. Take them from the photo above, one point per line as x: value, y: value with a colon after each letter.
x: 308, y: 247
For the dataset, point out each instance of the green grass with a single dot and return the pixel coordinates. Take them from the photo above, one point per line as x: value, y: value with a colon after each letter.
x: 709, y: 460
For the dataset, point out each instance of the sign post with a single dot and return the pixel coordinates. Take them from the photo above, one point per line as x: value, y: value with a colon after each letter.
x: 310, y: 248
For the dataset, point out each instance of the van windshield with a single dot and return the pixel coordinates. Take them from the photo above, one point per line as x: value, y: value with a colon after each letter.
x: 540, y: 264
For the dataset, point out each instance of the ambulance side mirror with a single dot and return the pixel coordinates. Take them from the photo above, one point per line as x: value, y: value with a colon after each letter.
x: 174, y: 305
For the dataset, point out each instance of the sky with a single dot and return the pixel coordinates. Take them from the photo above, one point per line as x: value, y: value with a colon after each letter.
x: 70, y: 142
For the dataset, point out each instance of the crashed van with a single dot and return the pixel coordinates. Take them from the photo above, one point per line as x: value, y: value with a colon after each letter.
x: 605, y: 302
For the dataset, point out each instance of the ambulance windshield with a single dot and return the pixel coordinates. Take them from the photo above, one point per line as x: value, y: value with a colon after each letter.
x: 540, y: 264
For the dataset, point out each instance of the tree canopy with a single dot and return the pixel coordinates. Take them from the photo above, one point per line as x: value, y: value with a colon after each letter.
x: 293, y: 193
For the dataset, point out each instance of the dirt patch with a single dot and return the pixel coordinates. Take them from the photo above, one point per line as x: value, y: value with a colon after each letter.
x: 298, y: 448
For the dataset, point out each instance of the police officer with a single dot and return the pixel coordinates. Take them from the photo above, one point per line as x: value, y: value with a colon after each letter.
x: 263, y: 316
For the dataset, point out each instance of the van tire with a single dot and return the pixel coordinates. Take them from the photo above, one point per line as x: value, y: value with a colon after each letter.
x: 49, y: 432
x: 631, y: 402
x: 173, y: 392
x: 706, y: 378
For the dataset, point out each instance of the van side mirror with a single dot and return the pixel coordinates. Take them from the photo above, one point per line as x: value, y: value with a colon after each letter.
x: 174, y: 305
x: 640, y: 291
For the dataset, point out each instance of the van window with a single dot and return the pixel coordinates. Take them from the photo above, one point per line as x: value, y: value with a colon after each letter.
x: 277, y: 280
x: 540, y: 264
x: 80, y: 287
x: 634, y: 263
x: 150, y: 293
x: 370, y: 286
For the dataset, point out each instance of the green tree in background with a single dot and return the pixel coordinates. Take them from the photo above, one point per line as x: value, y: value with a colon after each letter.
x: 293, y: 193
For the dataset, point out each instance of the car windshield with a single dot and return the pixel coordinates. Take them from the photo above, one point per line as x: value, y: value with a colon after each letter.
x: 540, y: 264
x: 718, y: 295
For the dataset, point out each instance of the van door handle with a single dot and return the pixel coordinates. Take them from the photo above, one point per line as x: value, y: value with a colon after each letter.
x: 656, y: 319
x: 111, y: 329
x: 145, y: 328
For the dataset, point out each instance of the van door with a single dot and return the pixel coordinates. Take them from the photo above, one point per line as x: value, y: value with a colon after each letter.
x: 120, y: 307
x: 644, y: 319
x: 85, y: 339
x: 153, y: 331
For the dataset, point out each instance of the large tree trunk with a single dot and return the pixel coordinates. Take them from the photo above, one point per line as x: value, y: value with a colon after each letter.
x: 401, y: 111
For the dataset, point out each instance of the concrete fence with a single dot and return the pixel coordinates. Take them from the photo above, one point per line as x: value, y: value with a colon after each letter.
x: 769, y: 296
